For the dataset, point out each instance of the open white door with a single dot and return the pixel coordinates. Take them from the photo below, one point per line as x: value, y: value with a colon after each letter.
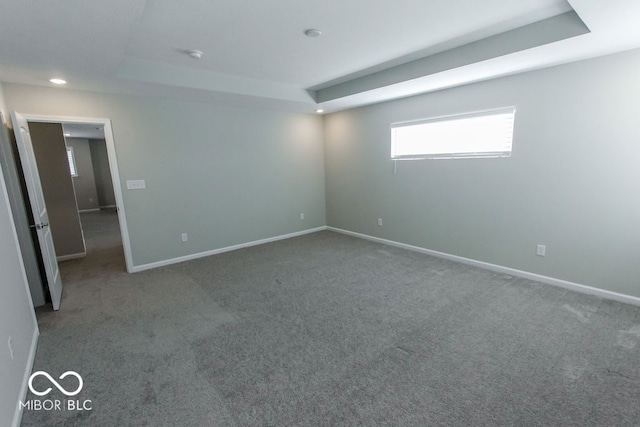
x: 40, y: 215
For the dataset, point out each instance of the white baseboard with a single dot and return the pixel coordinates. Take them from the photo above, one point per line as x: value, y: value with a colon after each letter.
x: 152, y: 265
x: 71, y: 256
x: 97, y: 209
x: 584, y: 289
x: 17, y: 415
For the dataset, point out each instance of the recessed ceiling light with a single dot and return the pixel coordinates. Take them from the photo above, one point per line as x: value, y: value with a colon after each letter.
x: 58, y: 81
x: 312, y: 32
x: 195, y: 54
x: 319, y: 111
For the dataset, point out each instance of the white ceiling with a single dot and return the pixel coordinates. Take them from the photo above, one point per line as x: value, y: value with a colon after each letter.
x: 255, y: 52
x: 83, y: 130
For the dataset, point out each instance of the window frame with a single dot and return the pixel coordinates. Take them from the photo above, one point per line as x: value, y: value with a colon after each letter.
x: 449, y: 118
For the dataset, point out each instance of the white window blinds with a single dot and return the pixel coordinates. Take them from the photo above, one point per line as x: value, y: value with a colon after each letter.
x: 72, y: 162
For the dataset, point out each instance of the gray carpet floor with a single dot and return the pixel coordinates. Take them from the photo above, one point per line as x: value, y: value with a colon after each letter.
x: 329, y: 330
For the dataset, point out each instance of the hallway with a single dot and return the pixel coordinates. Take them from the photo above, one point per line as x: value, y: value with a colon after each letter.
x: 104, y: 248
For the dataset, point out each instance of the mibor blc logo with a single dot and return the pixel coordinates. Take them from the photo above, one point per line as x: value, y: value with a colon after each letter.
x: 55, y: 404
x: 55, y: 383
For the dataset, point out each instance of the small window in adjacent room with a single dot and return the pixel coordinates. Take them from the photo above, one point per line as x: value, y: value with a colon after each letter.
x: 72, y: 162
x: 480, y: 134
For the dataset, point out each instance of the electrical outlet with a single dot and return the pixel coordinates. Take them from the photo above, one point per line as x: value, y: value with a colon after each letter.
x: 10, y: 343
x: 301, y: 215
x: 185, y: 237
x: 541, y: 250
x: 379, y: 222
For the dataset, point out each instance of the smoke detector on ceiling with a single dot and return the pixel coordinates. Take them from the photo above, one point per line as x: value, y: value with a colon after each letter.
x: 195, y: 54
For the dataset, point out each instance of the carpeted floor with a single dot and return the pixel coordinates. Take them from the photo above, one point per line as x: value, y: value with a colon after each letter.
x: 329, y: 330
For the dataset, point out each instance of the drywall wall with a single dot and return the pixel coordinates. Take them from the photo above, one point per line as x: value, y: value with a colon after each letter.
x: 102, y: 174
x: 17, y: 318
x: 22, y: 217
x: 4, y: 112
x: 571, y: 183
x: 59, y: 196
x: 85, y: 182
x: 224, y: 175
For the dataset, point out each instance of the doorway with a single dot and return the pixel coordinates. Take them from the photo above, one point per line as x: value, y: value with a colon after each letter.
x: 110, y: 198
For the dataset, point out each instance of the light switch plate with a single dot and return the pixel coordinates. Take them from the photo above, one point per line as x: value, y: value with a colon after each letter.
x: 136, y: 184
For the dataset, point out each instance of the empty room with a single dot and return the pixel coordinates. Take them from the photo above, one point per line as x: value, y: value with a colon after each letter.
x: 337, y: 213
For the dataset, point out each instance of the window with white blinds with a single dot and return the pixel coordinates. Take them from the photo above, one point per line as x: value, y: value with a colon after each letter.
x: 72, y: 162
x: 480, y: 134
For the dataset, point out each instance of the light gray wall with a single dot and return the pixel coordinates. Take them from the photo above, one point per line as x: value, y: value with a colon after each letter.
x: 571, y: 183
x: 17, y: 197
x: 85, y: 182
x: 17, y: 319
x: 4, y: 112
x: 224, y: 175
x: 104, y: 182
x: 57, y: 187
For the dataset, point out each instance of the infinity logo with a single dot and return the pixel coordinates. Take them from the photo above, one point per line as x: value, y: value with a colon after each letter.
x: 55, y: 383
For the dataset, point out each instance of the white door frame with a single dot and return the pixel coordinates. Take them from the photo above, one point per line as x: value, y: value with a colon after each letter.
x: 113, y: 167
